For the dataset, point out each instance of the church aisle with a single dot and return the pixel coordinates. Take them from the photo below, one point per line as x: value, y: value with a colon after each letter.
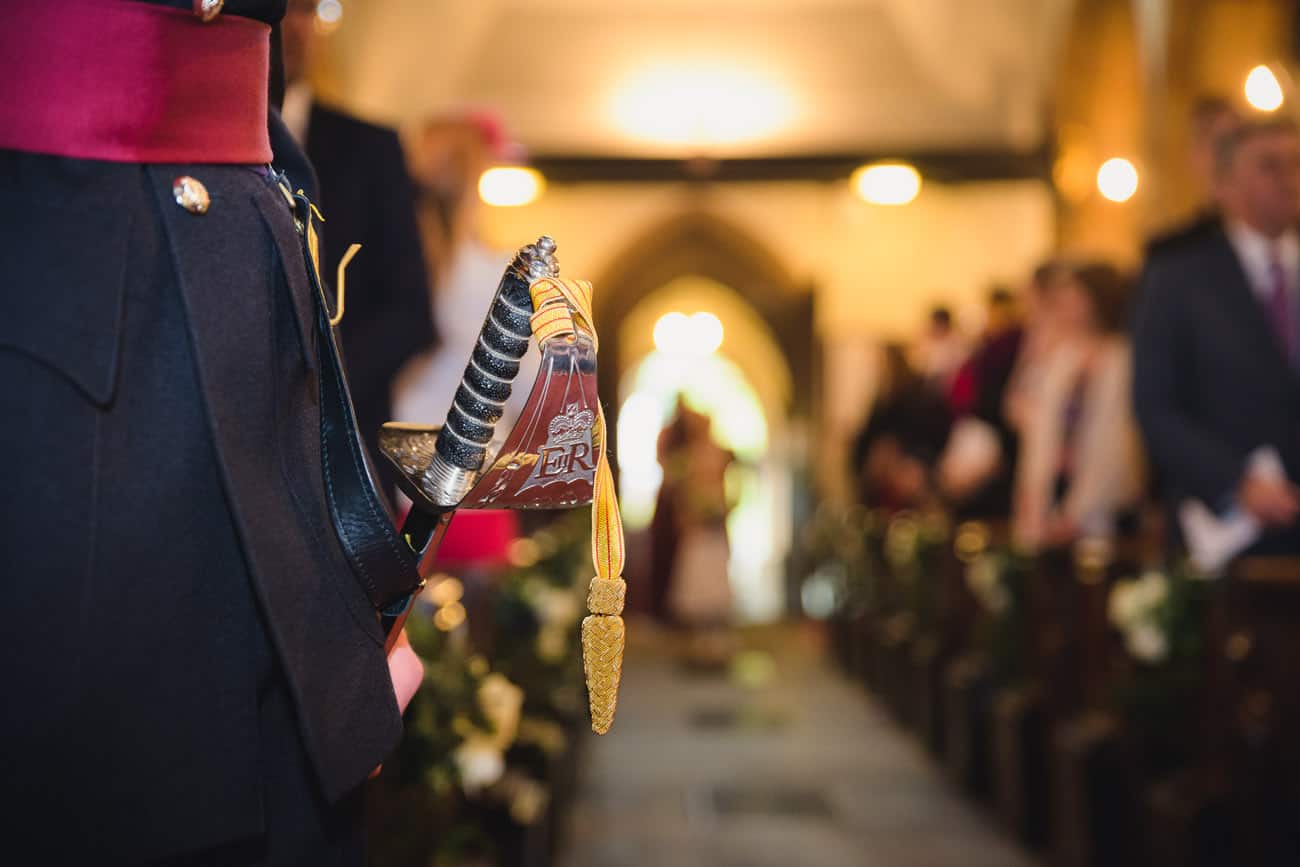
x: 778, y: 763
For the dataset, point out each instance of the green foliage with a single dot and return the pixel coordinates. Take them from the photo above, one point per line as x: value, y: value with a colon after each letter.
x: 421, y: 812
x: 999, y: 579
x: 915, y: 546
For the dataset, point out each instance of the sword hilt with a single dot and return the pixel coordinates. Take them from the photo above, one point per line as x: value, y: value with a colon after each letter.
x: 461, y: 446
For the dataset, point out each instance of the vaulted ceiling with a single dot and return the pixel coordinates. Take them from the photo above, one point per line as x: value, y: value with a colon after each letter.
x: 650, y: 78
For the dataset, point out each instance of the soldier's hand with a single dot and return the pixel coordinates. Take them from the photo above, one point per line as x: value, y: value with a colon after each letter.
x: 1274, y: 502
x: 406, y: 671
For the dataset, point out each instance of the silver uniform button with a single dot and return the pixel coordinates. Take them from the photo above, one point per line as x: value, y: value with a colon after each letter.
x: 208, y: 9
x: 191, y: 195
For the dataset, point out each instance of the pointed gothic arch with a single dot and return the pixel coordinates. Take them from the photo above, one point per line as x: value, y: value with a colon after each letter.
x: 699, y: 243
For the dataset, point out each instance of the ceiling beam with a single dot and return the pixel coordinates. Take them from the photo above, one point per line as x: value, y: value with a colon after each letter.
x: 947, y: 166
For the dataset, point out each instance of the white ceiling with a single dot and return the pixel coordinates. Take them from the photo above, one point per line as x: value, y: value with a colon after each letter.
x: 833, y: 76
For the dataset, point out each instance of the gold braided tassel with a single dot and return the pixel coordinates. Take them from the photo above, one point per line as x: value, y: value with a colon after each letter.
x: 563, y: 307
x: 603, y: 637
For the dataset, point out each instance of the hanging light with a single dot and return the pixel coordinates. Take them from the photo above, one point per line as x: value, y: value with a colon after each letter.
x: 706, y: 333
x: 676, y: 333
x: 886, y: 183
x: 1263, y: 90
x: 510, y: 186
x: 1117, y: 179
x: 701, y: 104
x: 329, y: 11
x: 329, y: 14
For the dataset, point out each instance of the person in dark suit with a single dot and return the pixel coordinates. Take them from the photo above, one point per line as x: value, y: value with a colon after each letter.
x: 1217, y: 341
x: 1212, y: 117
x: 368, y: 198
x: 193, y: 672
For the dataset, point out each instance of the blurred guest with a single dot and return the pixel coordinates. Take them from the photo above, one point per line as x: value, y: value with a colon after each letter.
x: 904, y: 435
x: 1212, y: 117
x: 1042, y: 332
x: 700, y: 588
x: 975, y: 470
x: 664, y: 529
x: 940, y: 351
x: 367, y: 198
x: 979, y: 384
x: 1080, y: 466
x: 447, y: 157
x: 1218, y: 339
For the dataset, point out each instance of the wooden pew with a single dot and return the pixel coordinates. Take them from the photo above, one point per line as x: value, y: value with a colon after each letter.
x: 1094, y: 771
x: 1255, y: 702
x: 968, y: 679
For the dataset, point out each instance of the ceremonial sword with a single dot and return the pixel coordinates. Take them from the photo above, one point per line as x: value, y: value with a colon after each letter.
x: 548, y: 460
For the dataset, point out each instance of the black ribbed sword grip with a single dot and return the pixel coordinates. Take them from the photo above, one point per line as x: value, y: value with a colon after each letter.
x: 494, y: 364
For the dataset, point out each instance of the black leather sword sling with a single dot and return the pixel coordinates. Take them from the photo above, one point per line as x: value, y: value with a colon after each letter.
x: 382, y: 562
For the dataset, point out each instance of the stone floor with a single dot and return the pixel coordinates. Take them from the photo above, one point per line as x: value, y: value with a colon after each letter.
x: 779, y: 762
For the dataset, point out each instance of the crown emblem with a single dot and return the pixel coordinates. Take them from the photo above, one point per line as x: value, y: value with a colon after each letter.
x: 572, y: 427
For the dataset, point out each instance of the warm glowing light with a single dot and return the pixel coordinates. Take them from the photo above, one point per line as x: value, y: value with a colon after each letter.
x: 887, y: 183
x: 329, y: 11
x: 329, y: 14
x: 701, y: 104
x: 1263, y: 90
x: 706, y: 333
x: 510, y: 186
x: 444, y: 590
x: 678, y: 334
x: 449, y: 617
x: 671, y: 331
x: 1117, y: 179
x: 523, y: 552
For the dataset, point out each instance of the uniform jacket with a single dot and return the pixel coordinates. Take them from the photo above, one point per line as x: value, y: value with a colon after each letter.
x: 167, y: 551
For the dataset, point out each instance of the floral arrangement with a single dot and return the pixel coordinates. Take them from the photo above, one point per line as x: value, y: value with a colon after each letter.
x: 839, y: 546
x: 912, y: 540
x: 1160, y: 617
x: 987, y: 580
x: 913, y: 545
x: 998, y: 579
x: 502, y: 694
x: 1135, y: 608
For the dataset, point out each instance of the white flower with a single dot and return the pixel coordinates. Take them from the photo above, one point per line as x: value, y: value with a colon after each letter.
x: 480, y: 762
x: 1152, y: 589
x: 982, y: 574
x: 984, y: 578
x: 1124, y: 607
x: 501, y: 702
x: 552, y: 643
x: 528, y: 801
x: 1147, y: 643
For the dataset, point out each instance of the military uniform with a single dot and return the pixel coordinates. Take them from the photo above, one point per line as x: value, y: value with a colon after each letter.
x: 193, y: 673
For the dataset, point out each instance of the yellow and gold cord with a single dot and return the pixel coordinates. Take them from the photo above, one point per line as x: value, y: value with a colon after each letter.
x: 563, y: 308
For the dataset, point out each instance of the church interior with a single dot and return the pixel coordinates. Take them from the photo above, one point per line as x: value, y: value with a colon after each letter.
x: 901, y: 466
x: 775, y: 201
